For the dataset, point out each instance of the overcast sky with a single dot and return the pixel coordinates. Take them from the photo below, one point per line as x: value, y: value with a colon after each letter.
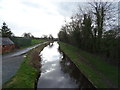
x: 39, y: 17
x: 35, y: 16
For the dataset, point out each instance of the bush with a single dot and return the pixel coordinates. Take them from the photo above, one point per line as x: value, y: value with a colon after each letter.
x: 20, y: 41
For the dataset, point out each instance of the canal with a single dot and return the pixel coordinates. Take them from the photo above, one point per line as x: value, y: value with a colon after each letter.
x: 58, y: 71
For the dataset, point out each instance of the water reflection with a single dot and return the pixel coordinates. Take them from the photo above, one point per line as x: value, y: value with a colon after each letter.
x: 50, y: 45
x: 58, y: 72
x: 69, y: 67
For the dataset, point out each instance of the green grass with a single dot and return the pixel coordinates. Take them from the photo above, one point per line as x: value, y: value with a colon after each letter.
x: 33, y: 42
x: 108, y: 71
x: 24, y: 78
x: 27, y: 74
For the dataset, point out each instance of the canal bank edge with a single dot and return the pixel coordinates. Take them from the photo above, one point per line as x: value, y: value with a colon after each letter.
x: 91, y: 83
x: 62, y: 51
x: 92, y: 75
x: 28, y: 73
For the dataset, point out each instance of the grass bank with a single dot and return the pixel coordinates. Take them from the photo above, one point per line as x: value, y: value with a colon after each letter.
x: 99, y: 72
x: 28, y: 72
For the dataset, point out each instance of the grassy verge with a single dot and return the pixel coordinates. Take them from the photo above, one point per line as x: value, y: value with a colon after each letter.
x: 28, y: 72
x: 33, y: 42
x: 99, y: 72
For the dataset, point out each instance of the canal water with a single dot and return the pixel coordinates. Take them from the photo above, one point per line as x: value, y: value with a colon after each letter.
x: 58, y: 71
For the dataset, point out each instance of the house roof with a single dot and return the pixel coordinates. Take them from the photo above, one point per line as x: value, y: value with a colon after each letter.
x: 5, y: 41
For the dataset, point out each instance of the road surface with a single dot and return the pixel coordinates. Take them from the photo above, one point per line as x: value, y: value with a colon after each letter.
x: 12, y: 61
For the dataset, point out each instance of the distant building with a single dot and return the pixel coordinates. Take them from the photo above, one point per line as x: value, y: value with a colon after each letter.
x: 6, y: 45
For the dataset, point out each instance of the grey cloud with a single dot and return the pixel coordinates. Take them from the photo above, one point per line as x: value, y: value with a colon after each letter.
x: 67, y: 8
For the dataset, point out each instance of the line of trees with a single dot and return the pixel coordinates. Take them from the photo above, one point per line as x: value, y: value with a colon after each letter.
x: 48, y: 37
x: 6, y: 32
x: 88, y: 30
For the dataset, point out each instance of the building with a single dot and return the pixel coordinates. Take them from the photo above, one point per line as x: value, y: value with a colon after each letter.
x: 6, y: 45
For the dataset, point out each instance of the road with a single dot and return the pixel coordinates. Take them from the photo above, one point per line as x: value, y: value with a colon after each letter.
x: 12, y: 61
x: 10, y: 66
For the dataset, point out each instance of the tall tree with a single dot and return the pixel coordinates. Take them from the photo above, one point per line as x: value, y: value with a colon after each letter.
x: 63, y: 36
x: 5, y: 31
x: 87, y: 32
x: 101, y: 11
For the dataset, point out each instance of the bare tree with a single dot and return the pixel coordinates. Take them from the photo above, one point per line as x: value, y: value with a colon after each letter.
x: 28, y: 35
x: 102, y: 14
x: 51, y: 37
